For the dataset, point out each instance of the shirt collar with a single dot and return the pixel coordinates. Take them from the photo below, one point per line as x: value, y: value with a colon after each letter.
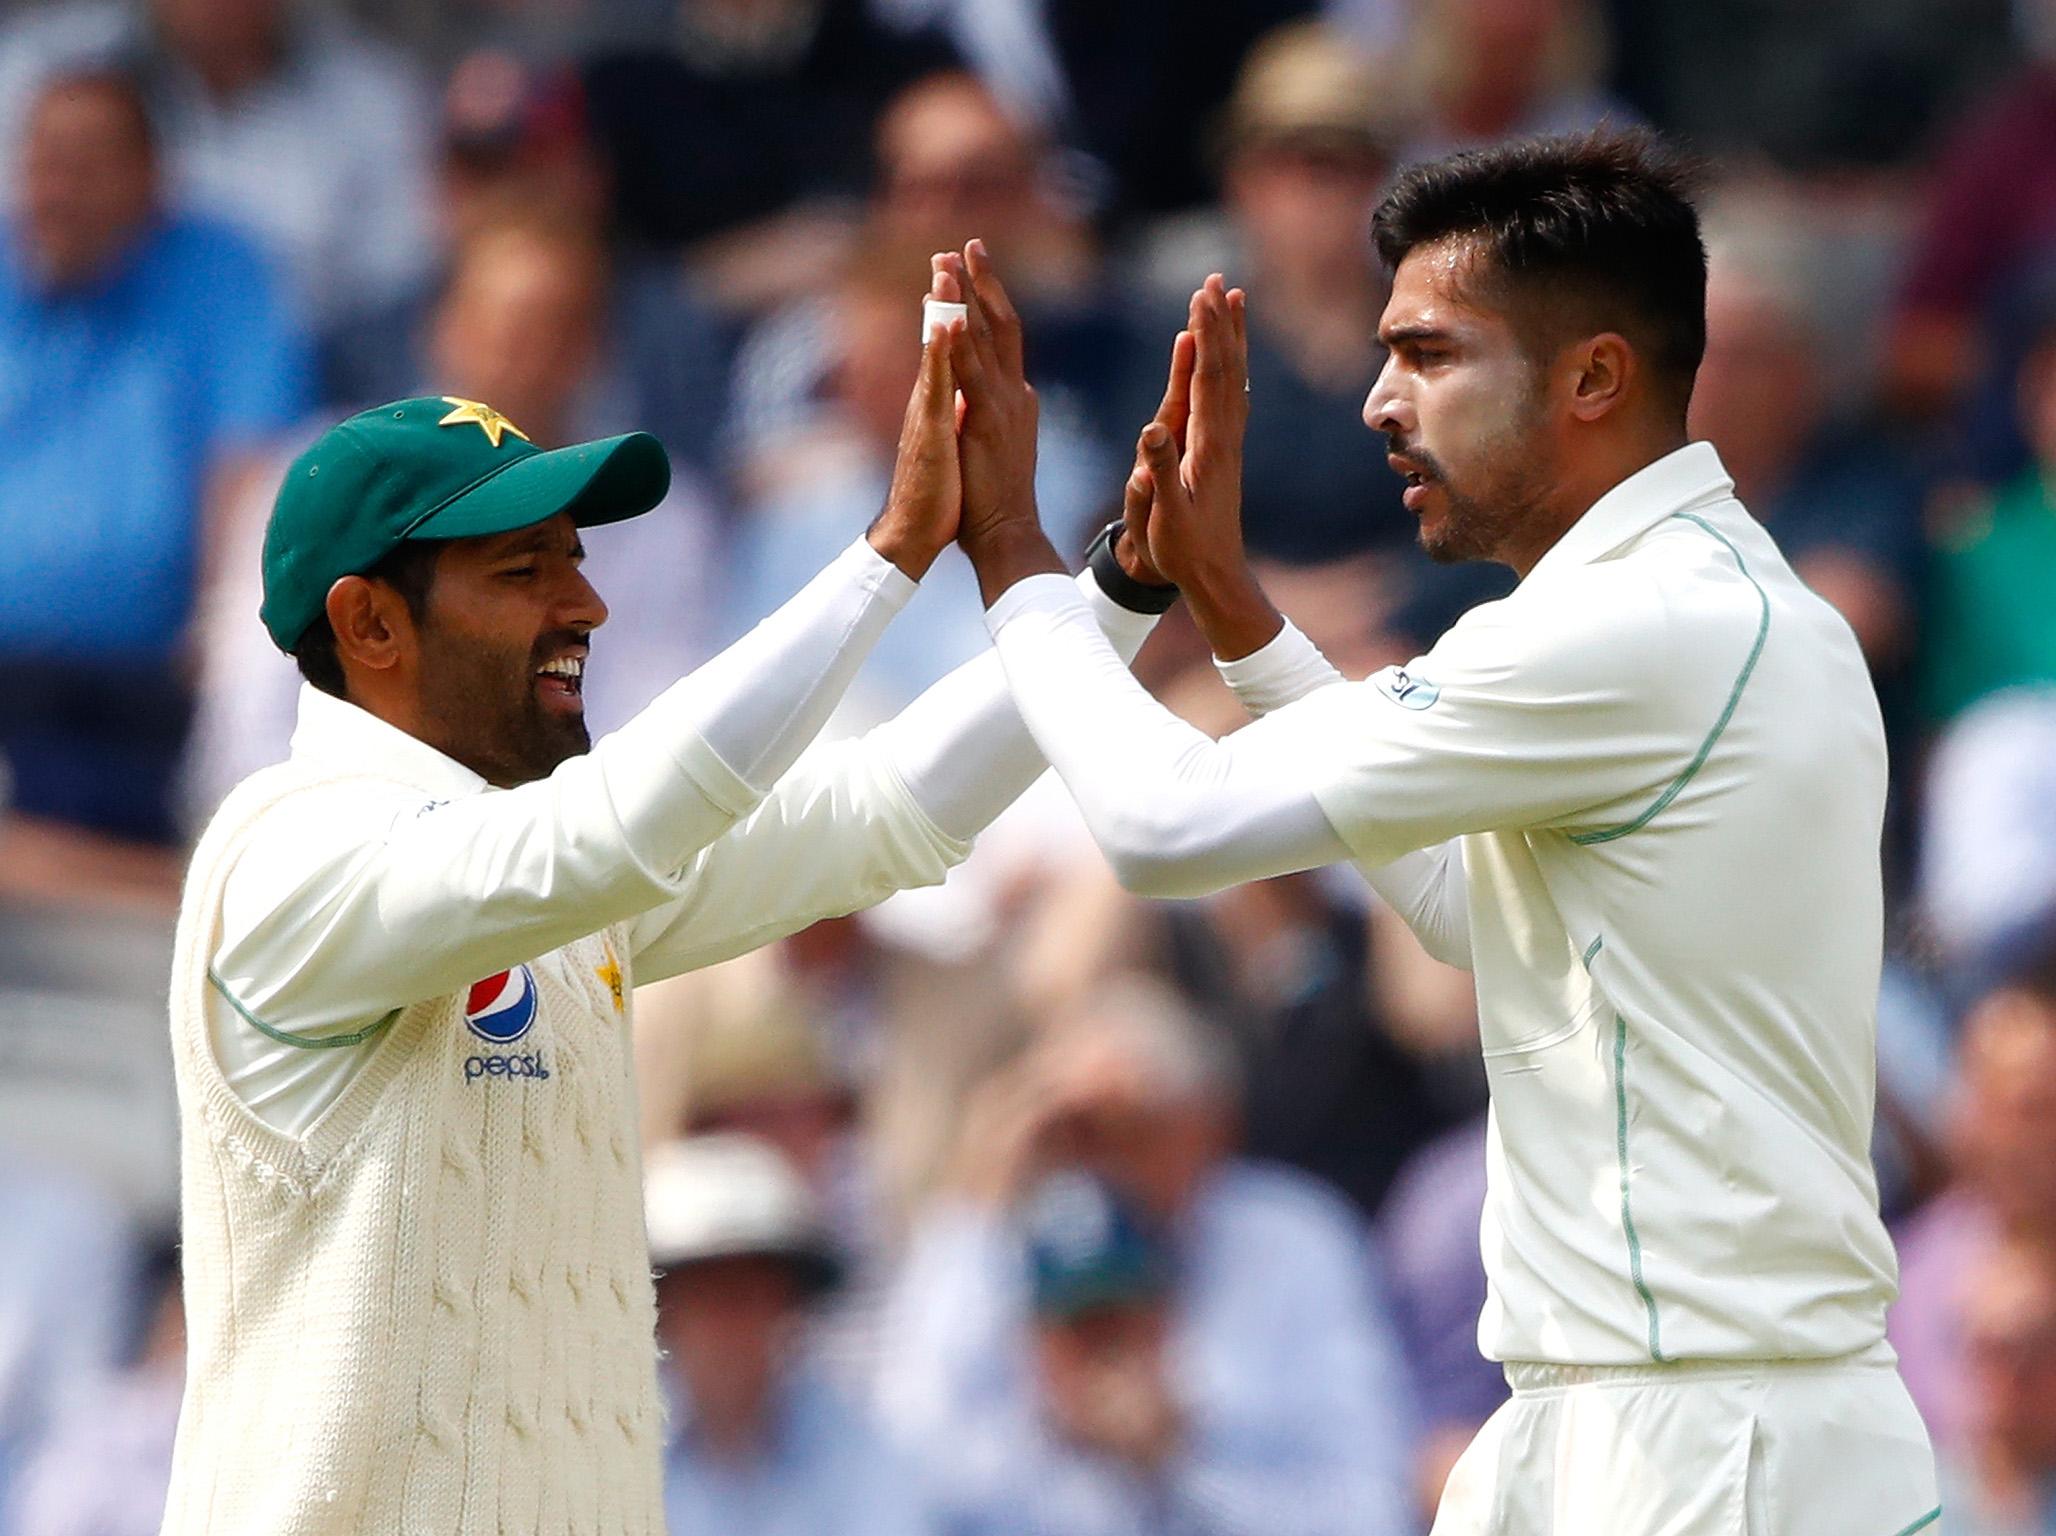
x: 333, y: 730
x: 1682, y: 478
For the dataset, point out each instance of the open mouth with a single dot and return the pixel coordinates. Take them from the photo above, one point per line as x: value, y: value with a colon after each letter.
x: 561, y: 681
x: 1414, y: 478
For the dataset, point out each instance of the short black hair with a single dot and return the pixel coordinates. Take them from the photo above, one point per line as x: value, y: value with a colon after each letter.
x: 408, y: 570
x: 1578, y: 233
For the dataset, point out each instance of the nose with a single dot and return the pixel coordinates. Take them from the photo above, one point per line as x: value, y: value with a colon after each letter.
x: 1386, y: 408
x: 583, y: 608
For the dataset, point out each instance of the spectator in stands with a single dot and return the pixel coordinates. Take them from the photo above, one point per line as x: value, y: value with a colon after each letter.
x: 1131, y: 91
x: 145, y: 362
x: 1842, y: 500
x: 736, y: 141
x: 2004, y: 1481
x: 1984, y: 234
x: 1494, y: 69
x: 952, y: 165
x: 1992, y: 625
x: 759, y: 1441
x: 2003, y: 1144
x: 107, y: 1464
x: 1307, y: 154
x: 520, y: 324
x: 1265, y: 1398
x: 514, y: 137
x: 278, y: 117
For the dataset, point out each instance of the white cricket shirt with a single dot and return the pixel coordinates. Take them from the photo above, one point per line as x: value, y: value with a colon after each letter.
x: 1653, y: 779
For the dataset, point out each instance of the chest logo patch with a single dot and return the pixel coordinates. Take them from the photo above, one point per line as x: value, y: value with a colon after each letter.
x: 610, y: 978
x: 501, y: 1009
x: 1406, y: 690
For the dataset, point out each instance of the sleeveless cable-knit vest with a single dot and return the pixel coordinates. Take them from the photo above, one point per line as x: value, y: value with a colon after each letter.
x: 433, y: 1312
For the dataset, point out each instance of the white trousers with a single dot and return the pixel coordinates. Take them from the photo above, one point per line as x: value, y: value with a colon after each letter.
x: 1714, y: 1448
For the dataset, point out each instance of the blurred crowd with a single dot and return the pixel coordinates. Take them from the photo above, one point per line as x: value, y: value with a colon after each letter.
x: 1021, y: 1205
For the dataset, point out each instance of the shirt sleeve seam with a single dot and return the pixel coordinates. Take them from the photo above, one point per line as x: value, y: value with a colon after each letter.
x: 287, y: 1037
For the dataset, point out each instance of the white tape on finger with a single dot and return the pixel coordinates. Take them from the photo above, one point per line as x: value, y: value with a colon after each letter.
x: 939, y: 315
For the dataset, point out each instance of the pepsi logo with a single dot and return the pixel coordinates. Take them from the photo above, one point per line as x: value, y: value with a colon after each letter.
x: 502, y: 1008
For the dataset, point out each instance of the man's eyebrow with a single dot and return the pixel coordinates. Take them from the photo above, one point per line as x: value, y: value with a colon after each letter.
x: 525, y: 541
x: 1402, y: 335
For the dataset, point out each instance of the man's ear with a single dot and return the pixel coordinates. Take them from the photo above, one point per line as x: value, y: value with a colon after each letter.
x: 373, y: 628
x: 1603, y: 366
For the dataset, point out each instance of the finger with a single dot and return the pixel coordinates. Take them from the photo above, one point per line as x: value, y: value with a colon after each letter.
x: 1136, y: 496
x: 1238, y: 338
x: 992, y: 293
x: 1210, y: 383
x: 1160, y: 457
x: 936, y: 388
x: 980, y: 322
x: 1176, y: 408
x: 972, y: 377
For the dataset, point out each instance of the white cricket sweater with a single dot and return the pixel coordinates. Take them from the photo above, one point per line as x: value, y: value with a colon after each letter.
x: 433, y: 1312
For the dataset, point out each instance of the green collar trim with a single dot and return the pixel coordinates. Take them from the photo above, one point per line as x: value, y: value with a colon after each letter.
x: 1921, y: 1524
x: 300, y: 1042
x: 1608, y: 834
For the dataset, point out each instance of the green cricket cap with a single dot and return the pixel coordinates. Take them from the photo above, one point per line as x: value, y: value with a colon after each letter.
x: 433, y: 468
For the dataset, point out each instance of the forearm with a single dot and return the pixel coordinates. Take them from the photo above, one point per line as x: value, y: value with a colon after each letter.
x: 1176, y: 813
x: 386, y: 902
x: 962, y: 749
x: 1231, y: 610
x: 1009, y: 554
x: 760, y: 702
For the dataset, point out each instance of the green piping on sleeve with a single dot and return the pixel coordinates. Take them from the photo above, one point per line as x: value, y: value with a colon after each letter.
x: 1592, y: 951
x: 1608, y: 834
x: 302, y: 1042
x: 1620, y: 1099
x: 1921, y: 1524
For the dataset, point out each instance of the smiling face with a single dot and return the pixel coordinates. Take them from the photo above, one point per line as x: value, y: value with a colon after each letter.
x: 498, y: 654
x: 1464, y: 409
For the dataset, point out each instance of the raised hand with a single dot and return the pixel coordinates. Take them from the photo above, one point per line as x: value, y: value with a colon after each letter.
x: 925, y: 505
x: 1000, y: 530
x: 1194, y: 518
x: 1132, y: 548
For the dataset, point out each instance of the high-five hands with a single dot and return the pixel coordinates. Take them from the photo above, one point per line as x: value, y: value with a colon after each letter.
x: 1184, y: 499
x: 966, y: 462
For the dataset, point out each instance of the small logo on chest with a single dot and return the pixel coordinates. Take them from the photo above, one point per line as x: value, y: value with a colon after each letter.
x: 610, y: 976
x: 501, y: 1009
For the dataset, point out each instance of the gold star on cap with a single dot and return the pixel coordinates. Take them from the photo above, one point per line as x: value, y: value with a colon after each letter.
x: 489, y: 421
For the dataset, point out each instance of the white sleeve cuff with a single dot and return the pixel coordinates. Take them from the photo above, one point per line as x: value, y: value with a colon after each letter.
x: 1287, y: 669
x: 1049, y: 593
x: 1126, y: 628
x: 894, y: 586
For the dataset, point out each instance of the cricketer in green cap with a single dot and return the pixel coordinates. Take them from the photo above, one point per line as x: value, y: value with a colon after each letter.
x: 448, y: 494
